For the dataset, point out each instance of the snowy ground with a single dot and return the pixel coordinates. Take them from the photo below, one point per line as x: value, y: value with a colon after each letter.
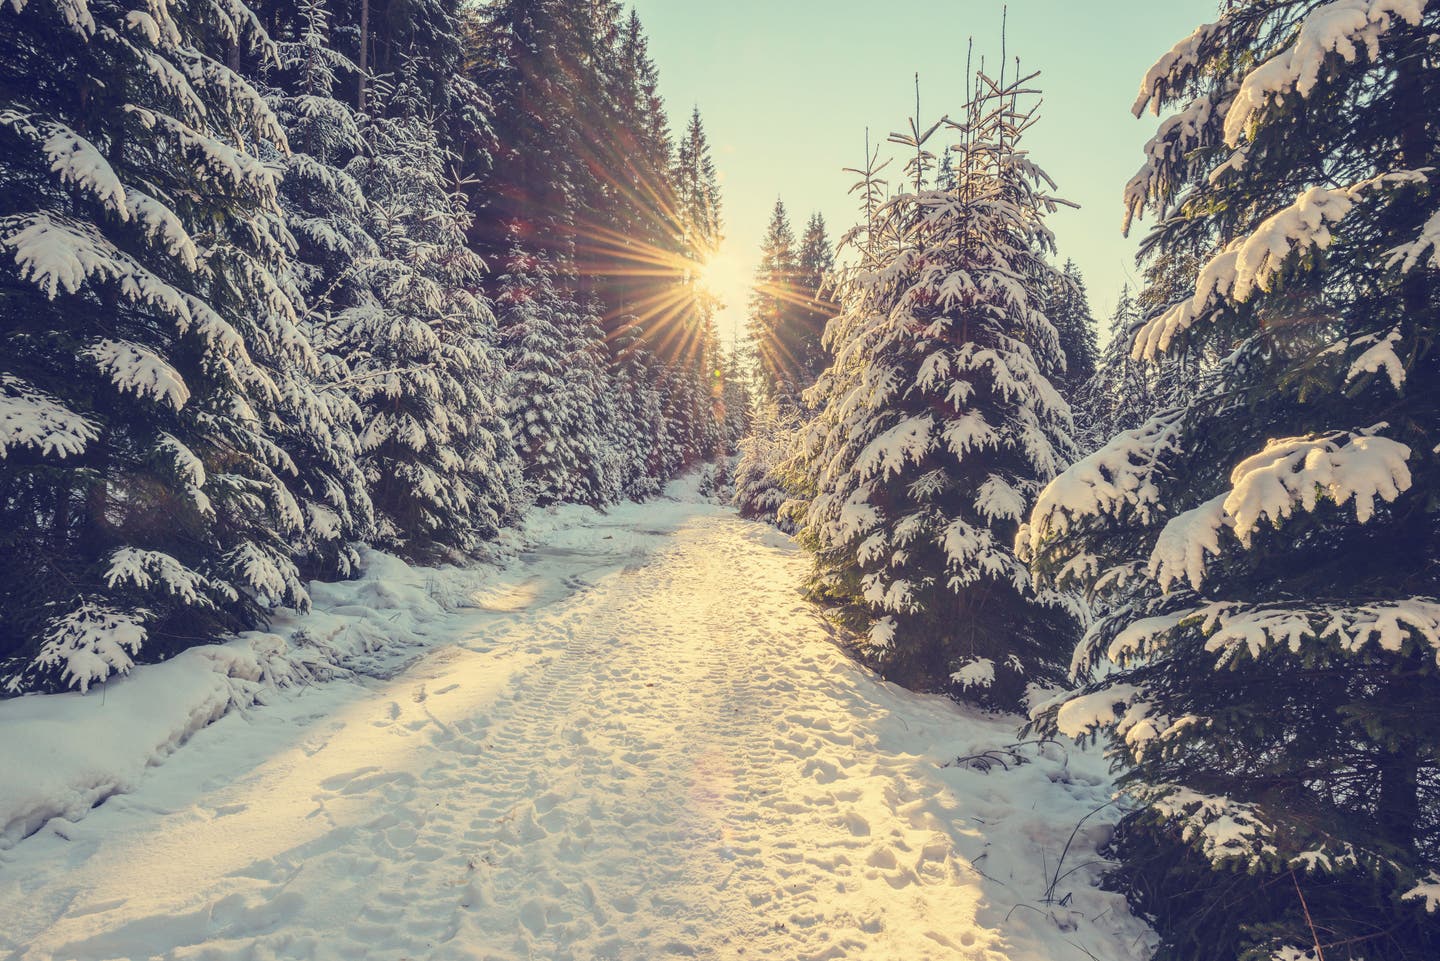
x: 636, y: 742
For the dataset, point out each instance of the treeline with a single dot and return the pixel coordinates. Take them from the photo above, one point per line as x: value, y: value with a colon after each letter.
x: 282, y: 278
x: 1217, y: 547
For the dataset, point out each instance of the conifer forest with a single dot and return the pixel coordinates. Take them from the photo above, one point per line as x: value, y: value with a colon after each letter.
x: 420, y: 540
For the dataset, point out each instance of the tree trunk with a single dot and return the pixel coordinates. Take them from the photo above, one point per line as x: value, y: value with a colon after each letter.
x: 364, y: 53
x: 1398, y: 805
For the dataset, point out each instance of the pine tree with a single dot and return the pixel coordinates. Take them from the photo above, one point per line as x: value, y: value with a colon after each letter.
x: 1267, y: 550
x: 772, y: 309
x: 325, y: 211
x: 151, y: 356
x: 1068, y: 309
x: 420, y: 343
x: 939, y: 424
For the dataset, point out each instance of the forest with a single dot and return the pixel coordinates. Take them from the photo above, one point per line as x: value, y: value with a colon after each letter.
x: 287, y: 286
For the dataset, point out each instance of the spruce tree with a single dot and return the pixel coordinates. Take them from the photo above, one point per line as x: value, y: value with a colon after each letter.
x: 1267, y: 550
x: 528, y: 308
x: 151, y: 355
x: 1121, y: 394
x: 814, y: 263
x: 325, y: 211
x: 772, y: 311
x: 1068, y: 309
x: 940, y: 424
x: 420, y: 342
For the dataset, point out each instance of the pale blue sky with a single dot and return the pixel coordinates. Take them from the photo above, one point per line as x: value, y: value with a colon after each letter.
x: 787, y: 88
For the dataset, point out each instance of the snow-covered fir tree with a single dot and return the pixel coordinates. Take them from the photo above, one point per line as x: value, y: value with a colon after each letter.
x: 1121, y: 393
x: 814, y: 261
x: 1268, y: 550
x: 326, y: 212
x: 940, y: 424
x: 1067, y: 307
x: 584, y: 162
x: 772, y: 309
x: 528, y: 306
x: 767, y: 469
x: 151, y: 356
x: 738, y: 409
x: 420, y: 343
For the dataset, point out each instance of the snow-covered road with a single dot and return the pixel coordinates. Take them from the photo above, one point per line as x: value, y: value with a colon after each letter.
x: 638, y: 743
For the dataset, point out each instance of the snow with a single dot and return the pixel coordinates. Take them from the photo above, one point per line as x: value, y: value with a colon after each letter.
x: 76, y: 161
x: 1341, y: 27
x: 1179, y: 59
x: 1267, y: 486
x: 31, y: 418
x: 140, y: 371
x: 1408, y: 255
x: 1426, y: 892
x: 1379, y: 355
x: 1250, y: 262
x: 978, y: 673
x: 1225, y: 829
x: 636, y: 740
x: 92, y: 642
x: 1120, y: 477
x: 131, y: 566
x: 75, y: 13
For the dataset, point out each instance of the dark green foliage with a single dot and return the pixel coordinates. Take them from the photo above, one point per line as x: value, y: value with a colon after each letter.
x: 1068, y: 309
x: 937, y: 422
x: 1265, y: 547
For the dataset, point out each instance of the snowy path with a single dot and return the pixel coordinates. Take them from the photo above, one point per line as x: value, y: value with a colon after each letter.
x: 640, y: 744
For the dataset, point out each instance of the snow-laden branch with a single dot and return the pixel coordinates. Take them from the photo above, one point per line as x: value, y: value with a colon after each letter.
x: 1341, y: 27
x: 1268, y: 486
x: 1250, y: 263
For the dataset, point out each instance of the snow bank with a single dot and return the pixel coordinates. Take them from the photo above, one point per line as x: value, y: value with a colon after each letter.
x: 65, y: 753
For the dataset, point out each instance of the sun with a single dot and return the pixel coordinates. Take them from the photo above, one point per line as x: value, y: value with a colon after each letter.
x: 722, y: 277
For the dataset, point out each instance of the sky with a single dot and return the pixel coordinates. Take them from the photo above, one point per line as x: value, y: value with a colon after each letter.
x: 787, y: 88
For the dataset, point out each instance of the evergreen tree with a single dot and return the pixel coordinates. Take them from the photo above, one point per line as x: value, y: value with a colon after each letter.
x: 584, y: 162
x: 738, y: 407
x: 1068, y: 309
x: 420, y: 342
x: 767, y: 460
x: 325, y: 211
x: 814, y: 263
x: 1267, y: 550
x: 939, y: 424
x: 1121, y: 394
x: 772, y: 309
x: 151, y: 356
x: 528, y: 308
x: 698, y: 192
